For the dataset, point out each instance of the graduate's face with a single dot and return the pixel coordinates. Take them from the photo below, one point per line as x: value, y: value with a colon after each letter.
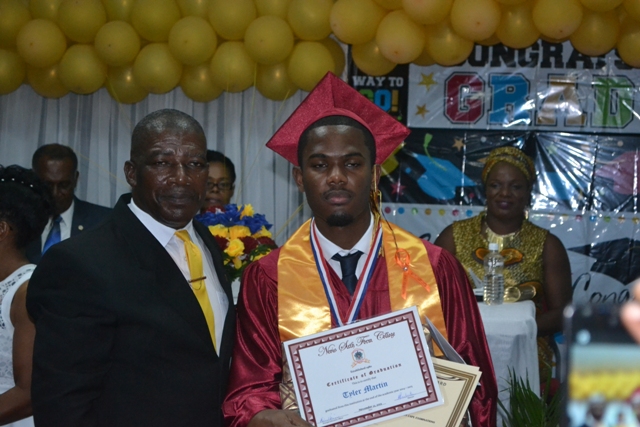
x: 336, y: 175
x: 508, y: 191
x: 168, y: 177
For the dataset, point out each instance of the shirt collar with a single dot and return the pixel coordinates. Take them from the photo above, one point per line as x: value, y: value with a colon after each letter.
x: 329, y: 248
x: 161, y: 232
x: 67, y: 216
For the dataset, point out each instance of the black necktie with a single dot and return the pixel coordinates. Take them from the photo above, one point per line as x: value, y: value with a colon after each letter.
x: 348, y: 265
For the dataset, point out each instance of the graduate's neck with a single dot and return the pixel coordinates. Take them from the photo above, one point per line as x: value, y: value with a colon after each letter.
x: 346, y: 236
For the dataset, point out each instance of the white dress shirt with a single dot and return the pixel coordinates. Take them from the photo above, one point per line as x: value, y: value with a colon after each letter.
x: 65, y: 226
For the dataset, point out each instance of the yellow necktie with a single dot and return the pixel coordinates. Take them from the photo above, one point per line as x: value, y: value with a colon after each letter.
x: 194, y: 258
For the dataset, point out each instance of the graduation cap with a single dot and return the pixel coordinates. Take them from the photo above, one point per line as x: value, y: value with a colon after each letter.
x: 334, y: 97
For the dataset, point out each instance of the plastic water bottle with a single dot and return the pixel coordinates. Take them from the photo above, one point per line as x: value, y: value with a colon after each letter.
x: 493, y: 276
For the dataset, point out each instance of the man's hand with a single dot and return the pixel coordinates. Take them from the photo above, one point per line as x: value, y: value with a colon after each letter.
x: 277, y: 418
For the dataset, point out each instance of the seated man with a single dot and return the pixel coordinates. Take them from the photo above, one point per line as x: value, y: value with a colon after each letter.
x: 336, y: 140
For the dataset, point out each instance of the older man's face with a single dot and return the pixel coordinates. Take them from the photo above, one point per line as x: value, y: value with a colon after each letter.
x: 169, y: 177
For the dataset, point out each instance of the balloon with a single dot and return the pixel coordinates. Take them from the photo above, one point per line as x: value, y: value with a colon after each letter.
x: 230, y: 19
x: 337, y: 54
x: 80, y: 20
x: 44, y: 9
x: 199, y: 8
x: 557, y: 19
x: 153, y: 19
x: 192, y: 40
x: 41, y: 43
x: 491, y: 41
x: 13, y: 16
x: 118, y: 10
x: 81, y: 70
x: 309, y: 20
x: 155, y: 69
x: 355, y: 21
x: 601, y: 5
x: 445, y: 46
x: 390, y: 4
x: 308, y: 63
x: 122, y: 86
x: 424, y: 60
x: 46, y: 82
x: 427, y: 11
x: 268, y: 40
x: 117, y: 43
x: 629, y: 42
x: 597, y: 33
x: 232, y: 69
x: 511, y: 2
x: 273, y: 7
x: 633, y: 8
x: 273, y: 82
x: 197, y: 84
x: 369, y: 59
x: 399, y: 38
x: 12, y: 71
x: 516, y: 28
x: 475, y: 19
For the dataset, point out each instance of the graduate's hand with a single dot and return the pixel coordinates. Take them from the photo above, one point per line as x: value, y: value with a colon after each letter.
x: 631, y: 313
x: 277, y: 418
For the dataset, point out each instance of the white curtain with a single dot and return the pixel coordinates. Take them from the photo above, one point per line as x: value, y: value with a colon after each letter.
x: 98, y: 129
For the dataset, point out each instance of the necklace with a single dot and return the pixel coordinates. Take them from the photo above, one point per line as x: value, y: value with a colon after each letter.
x: 503, y: 240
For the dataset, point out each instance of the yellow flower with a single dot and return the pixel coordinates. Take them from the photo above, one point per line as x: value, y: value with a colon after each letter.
x: 257, y: 257
x: 235, y: 248
x: 237, y: 263
x: 247, y: 210
x: 238, y: 231
x: 219, y: 230
x: 263, y: 232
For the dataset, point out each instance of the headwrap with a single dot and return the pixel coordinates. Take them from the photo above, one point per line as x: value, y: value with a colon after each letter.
x: 513, y: 156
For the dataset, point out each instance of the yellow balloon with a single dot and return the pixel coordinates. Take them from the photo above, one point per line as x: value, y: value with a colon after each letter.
x: 117, y: 43
x: 268, y: 40
x: 516, y: 28
x: 12, y: 71
x: 601, y: 5
x: 445, y: 46
x: 369, y: 59
x: 46, y: 82
x: 390, y: 4
x: 13, y: 16
x: 632, y: 7
x: 427, y: 11
x: 41, y: 43
x: 424, y: 60
x: 557, y: 19
x: 337, y: 54
x: 156, y: 70
x: 597, y: 33
x: 199, y: 8
x: 230, y: 19
x: 309, y: 20
x: 197, y: 84
x: 356, y: 21
x: 118, y: 10
x: 232, y: 69
x: 491, y: 41
x: 273, y: 82
x: 192, y: 40
x: 80, y: 20
x: 399, y: 38
x: 273, y: 7
x: 308, y: 64
x: 475, y: 19
x: 122, y: 86
x: 81, y: 70
x: 511, y: 2
x: 629, y: 42
x: 153, y: 19
x: 44, y: 9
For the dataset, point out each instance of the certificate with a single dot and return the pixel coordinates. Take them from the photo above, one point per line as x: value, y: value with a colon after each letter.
x: 364, y: 373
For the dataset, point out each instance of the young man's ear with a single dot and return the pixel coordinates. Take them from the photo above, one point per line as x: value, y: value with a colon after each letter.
x: 297, y: 176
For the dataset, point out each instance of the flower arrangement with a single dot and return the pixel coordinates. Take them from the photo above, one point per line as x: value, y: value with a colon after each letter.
x: 242, y: 234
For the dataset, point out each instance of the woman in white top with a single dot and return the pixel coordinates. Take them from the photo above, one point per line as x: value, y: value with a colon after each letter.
x: 24, y: 211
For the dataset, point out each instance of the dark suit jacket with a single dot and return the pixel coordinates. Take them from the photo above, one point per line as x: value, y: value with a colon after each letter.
x: 120, y: 337
x: 85, y: 217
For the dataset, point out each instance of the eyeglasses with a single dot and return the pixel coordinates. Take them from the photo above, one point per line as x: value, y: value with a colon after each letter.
x: 222, y: 185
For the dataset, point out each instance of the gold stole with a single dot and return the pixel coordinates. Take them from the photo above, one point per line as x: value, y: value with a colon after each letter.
x: 302, y: 304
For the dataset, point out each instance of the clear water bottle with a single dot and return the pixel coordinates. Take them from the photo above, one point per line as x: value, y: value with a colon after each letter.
x: 493, y: 276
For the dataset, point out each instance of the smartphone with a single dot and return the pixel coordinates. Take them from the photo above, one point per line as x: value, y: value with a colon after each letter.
x: 601, y: 364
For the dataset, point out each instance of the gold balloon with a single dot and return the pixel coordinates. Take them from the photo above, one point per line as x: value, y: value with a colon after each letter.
x: 632, y: 7
x: 337, y: 54
x: 511, y: 2
x: 427, y: 11
x: 192, y: 40
x: 399, y: 38
x: 117, y: 43
x: 199, y: 8
x: 308, y: 64
x: 445, y: 46
x: 197, y: 84
x: 557, y: 19
x: 356, y: 21
x: 153, y: 19
x: 309, y: 20
x: 597, y: 33
x: 475, y: 19
x: 230, y: 19
x: 122, y: 86
x: 491, y: 41
x: 629, y: 42
x: 424, y: 60
x: 12, y: 71
x: 369, y: 59
x: 390, y: 4
x: 232, y: 69
x: 81, y: 70
x: 13, y: 16
x: 273, y: 82
x: 41, y: 43
x: 46, y: 82
x: 44, y: 9
x: 273, y: 7
x: 118, y: 10
x: 80, y: 20
x: 268, y: 40
x: 601, y: 5
x: 156, y: 70
x: 516, y: 28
